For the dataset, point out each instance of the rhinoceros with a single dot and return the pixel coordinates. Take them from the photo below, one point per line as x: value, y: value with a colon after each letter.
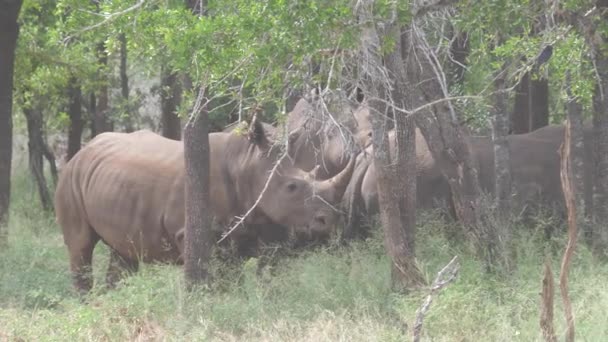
x: 326, y: 141
x: 534, y: 164
x: 127, y: 189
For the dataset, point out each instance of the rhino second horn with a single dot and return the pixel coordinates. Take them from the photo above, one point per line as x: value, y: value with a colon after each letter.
x: 340, y: 181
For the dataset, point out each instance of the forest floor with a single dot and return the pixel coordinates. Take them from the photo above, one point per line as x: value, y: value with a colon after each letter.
x: 327, y: 294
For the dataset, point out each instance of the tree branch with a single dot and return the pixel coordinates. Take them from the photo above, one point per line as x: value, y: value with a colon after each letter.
x: 444, y: 277
x: 108, y: 18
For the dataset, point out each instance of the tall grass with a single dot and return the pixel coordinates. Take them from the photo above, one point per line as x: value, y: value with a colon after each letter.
x: 329, y: 294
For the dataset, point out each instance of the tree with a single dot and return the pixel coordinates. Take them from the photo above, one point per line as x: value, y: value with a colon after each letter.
x: 124, y: 84
x: 36, y: 147
x: 600, y: 126
x: 198, y: 234
x: 500, y: 129
x: 446, y: 140
x: 396, y: 175
x: 75, y: 114
x: 9, y: 31
x: 100, y: 121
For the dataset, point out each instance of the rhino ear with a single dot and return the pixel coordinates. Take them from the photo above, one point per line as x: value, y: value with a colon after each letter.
x: 256, y: 133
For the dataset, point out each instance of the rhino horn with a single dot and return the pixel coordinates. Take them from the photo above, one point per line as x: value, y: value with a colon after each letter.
x: 340, y: 181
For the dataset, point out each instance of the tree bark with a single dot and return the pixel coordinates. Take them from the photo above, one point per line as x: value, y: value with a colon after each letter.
x: 101, y: 122
x: 9, y: 31
x: 396, y: 175
x: 598, y: 41
x: 75, y: 114
x: 124, y: 84
x: 170, y: 98
x: 198, y: 233
x: 502, y: 157
x: 577, y: 147
x: 600, y: 129
x: 447, y: 144
x: 36, y: 154
x: 531, y: 108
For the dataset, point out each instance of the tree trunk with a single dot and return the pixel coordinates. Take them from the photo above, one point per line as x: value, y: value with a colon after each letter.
x: 198, y: 238
x: 36, y: 153
x: 198, y: 233
x: 502, y: 158
x: 92, y: 108
x: 396, y: 176
x: 170, y: 98
x: 101, y: 120
x: 9, y: 31
x: 124, y: 84
x: 575, y: 116
x: 597, y: 42
x: 76, y: 122
x: 600, y: 128
x: 531, y: 109
x: 447, y: 144
x: 50, y: 157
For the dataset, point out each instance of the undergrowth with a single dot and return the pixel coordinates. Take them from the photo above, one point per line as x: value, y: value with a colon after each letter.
x: 335, y: 293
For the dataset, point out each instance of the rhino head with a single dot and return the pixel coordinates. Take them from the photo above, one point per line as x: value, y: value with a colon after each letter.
x: 292, y: 196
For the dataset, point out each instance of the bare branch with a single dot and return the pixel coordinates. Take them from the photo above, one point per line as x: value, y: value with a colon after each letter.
x: 242, y: 219
x: 444, y: 277
x: 108, y: 18
x: 423, y: 7
x: 566, y: 178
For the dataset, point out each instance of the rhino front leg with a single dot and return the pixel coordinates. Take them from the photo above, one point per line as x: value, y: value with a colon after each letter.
x: 117, y: 268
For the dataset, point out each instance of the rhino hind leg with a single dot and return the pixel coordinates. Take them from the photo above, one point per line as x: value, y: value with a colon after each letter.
x: 80, y: 249
x: 118, y: 267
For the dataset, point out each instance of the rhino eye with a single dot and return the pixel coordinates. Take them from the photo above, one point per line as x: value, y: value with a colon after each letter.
x: 291, y: 187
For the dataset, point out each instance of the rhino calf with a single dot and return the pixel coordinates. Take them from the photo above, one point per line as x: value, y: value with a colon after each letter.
x: 127, y: 189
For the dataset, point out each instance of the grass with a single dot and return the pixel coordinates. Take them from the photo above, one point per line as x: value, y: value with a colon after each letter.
x: 330, y: 294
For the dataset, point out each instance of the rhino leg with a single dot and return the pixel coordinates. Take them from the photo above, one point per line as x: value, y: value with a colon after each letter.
x: 80, y: 247
x: 117, y: 267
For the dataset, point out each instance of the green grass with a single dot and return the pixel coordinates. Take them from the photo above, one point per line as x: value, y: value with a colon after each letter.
x: 330, y: 294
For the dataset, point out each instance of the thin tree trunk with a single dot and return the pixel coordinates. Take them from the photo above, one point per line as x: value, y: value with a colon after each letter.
x: 396, y: 176
x: 76, y: 122
x: 600, y: 127
x: 9, y: 31
x: 50, y: 157
x: 539, y: 103
x: 102, y: 122
x: 198, y: 234
x: 36, y: 154
x: 447, y: 144
x: 92, y: 109
x: 170, y: 98
x: 124, y: 84
x: 575, y: 116
x: 502, y: 158
x: 520, y: 118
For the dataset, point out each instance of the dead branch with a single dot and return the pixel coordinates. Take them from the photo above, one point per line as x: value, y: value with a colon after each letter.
x: 241, y: 219
x: 546, y: 314
x: 108, y: 18
x: 423, y: 7
x: 444, y: 277
x: 566, y: 178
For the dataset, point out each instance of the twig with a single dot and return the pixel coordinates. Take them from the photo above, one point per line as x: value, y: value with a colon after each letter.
x: 241, y: 219
x: 566, y: 178
x: 444, y: 277
x: 546, y: 314
x: 108, y: 18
